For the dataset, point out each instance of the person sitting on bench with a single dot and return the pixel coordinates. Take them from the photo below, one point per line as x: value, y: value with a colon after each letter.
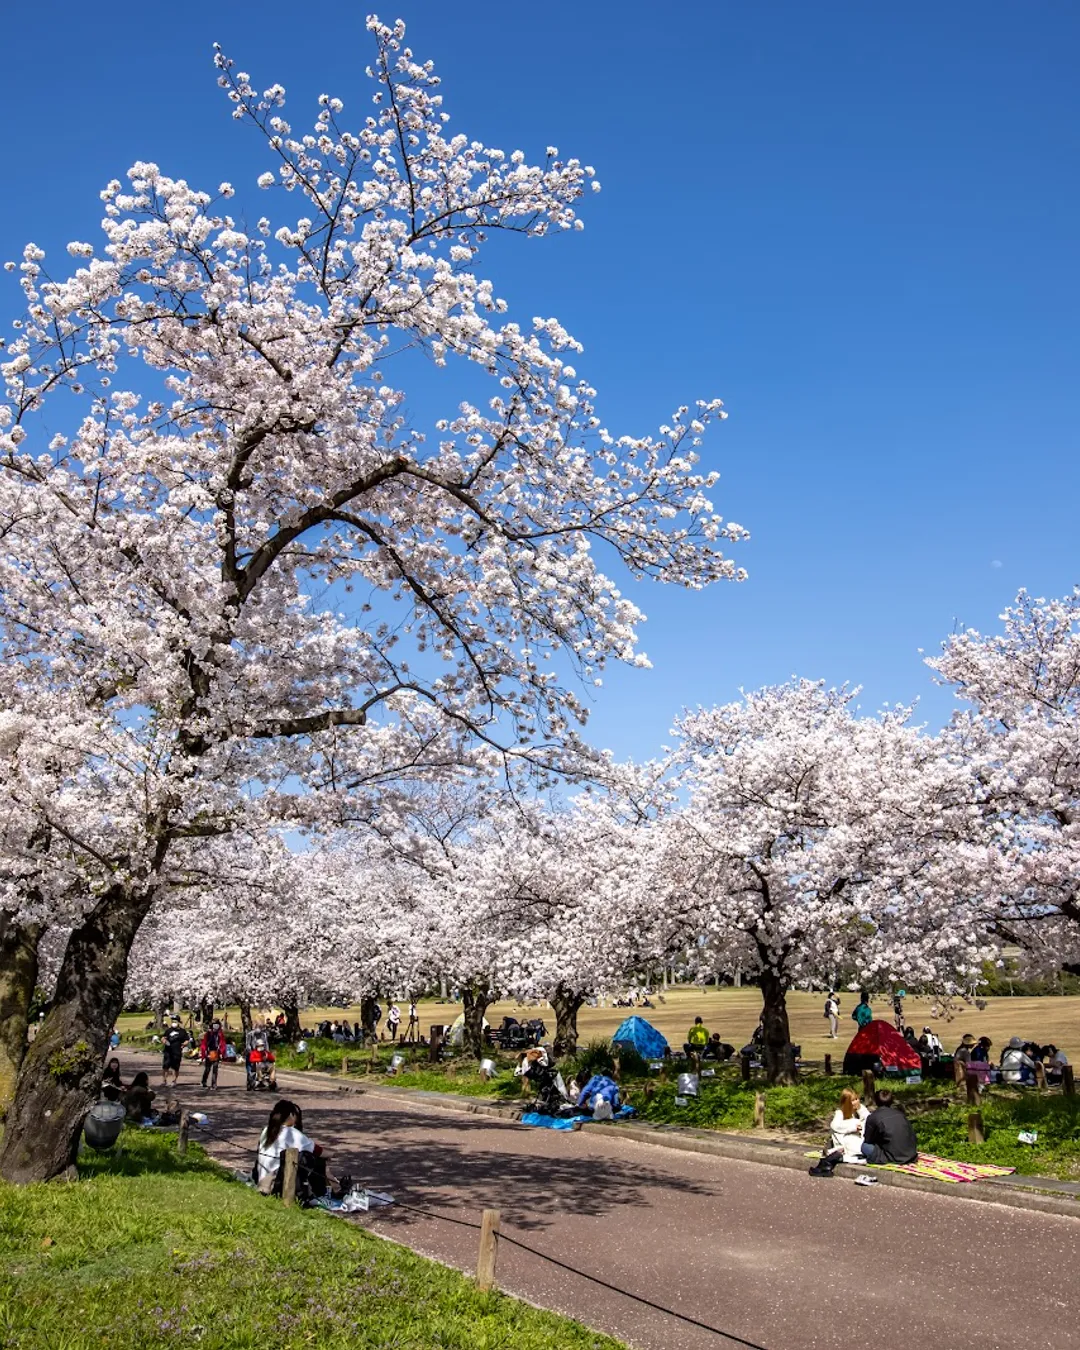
x: 888, y: 1136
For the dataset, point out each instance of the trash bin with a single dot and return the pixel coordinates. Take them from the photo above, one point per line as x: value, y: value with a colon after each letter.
x: 688, y: 1085
x: 103, y: 1124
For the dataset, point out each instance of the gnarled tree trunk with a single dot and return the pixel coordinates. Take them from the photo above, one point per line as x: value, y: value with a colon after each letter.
x: 779, y: 1056
x: 18, y: 977
x: 291, y: 1008
x: 477, y: 1000
x: 61, y: 1072
x: 566, y: 1005
x: 245, y: 1016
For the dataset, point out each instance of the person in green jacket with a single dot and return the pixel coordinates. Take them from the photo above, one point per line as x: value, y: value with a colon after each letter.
x: 863, y: 1012
x: 697, y: 1038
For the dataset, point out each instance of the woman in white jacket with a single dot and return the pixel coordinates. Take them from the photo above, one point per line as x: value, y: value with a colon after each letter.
x: 846, y: 1127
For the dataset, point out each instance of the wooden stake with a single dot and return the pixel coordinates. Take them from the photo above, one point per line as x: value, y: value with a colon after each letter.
x: 1040, y: 1074
x: 959, y: 1072
x: 291, y: 1165
x: 759, y: 1110
x: 434, y: 1042
x: 973, y: 1089
x: 489, y: 1249
x: 828, y: 1066
x: 182, y: 1137
x: 746, y: 1068
x: 1068, y: 1083
x: 344, y: 1063
x: 976, y: 1129
x: 617, y: 1070
x: 869, y: 1086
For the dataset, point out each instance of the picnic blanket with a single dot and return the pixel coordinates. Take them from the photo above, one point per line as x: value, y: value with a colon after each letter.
x: 939, y: 1169
x: 945, y: 1169
x: 543, y: 1122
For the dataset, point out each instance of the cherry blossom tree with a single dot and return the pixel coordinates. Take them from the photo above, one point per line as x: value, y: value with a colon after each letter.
x: 242, y: 578
x: 815, y: 840
x: 1021, y: 733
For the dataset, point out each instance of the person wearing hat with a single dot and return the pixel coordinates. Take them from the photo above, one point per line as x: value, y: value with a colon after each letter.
x: 173, y: 1040
x: 1017, y: 1066
x: 964, y: 1049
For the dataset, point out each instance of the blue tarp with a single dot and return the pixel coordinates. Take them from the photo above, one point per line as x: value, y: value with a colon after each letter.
x: 568, y: 1122
x: 645, y: 1038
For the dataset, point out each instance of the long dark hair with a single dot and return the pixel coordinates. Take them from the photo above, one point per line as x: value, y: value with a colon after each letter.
x: 112, y: 1072
x: 278, y: 1116
x: 141, y: 1080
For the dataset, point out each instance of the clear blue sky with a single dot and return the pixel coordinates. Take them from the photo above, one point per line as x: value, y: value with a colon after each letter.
x: 856, y: 224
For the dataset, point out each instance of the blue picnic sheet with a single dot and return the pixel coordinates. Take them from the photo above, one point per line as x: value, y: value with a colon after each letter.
x: 543, y: 1122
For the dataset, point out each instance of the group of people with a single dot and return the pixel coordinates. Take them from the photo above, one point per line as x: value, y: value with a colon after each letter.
x: 858, y: 1135
x: 1017, y: 1062
x: 699, y: 1042
x: 342, y: 1031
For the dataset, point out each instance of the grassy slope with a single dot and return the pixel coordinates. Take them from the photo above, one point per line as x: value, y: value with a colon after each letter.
x: 151, y: 1251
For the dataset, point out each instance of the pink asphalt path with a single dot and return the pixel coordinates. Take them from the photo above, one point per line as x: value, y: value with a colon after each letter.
x: 772, y: 1256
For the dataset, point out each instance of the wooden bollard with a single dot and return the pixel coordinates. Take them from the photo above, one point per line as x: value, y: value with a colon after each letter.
x: 745, y: 1060
x: 828, y: 1066
x: 664, y: 1072
x: 182, y: 1137
x: 290, y: 1163
x: 650, y: 1091
x: 1068, y: 1083
x: 434, y: 1044
x: 959, y: 1072
x: 759, y: 1110
x: 973, y: 1089
x: 616, y: 1071
x: 976, y: 1129
x: 869, y: 1086
x: 1040, y: 1074
x: 344, y: 1063
x: 695, y: 1063
x: 489, y: 1250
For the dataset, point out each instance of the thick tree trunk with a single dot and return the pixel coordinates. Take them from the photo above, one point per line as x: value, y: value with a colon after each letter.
x: 206, y: 1012
x: 245, y: 1016
x: 61, y: 1073
x: 779, y: 1056
x: 291, y: 1009
x: 566, y: 1005
x: 476, y: 1000
x: 18, y: 977
x: 159, y: 1016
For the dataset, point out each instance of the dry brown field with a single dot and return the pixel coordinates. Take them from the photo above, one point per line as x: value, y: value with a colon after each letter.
x: 734, y: 1014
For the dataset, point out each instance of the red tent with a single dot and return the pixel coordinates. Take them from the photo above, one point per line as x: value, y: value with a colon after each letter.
x: 880, y: 1041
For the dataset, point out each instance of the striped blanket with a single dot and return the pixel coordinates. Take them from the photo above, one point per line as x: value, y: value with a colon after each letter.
x: 945, y: 1169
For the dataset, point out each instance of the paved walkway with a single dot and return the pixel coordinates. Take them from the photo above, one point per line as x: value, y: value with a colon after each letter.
x: 775, y: 1257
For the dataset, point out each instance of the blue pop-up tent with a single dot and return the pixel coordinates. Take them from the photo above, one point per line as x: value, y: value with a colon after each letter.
x: 642, y: 1036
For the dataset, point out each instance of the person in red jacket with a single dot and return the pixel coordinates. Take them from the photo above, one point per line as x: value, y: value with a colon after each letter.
x: 212, y: 1052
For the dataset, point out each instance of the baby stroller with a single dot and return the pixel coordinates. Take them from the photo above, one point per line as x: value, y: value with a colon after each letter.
x: 259, y: 1063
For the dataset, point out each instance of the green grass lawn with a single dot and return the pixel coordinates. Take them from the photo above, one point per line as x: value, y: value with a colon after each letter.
x: 149, y: 1250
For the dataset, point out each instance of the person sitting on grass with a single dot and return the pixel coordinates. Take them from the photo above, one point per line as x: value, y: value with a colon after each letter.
x: 888, y: 1136
x: 285, y: 1130
x: 697, y: 1038
x: 964, y: 1050
x: 1017, y: 1066
x: 717, y: 1049
x: 599, y: 1096
x: 980, y: 1053
x: 112, y: 1088
x: 845, y: 1135
x: 138, y: 1100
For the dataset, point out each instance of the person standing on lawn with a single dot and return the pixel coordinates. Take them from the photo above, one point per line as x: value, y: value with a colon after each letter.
x: 863, y: 1013
x: 393, y: 1021
x: 212, y: 1052
x: 173, y: 1040
x: 832, y: 1012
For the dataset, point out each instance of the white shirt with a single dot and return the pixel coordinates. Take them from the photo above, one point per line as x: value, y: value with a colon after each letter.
x: 1012, y: 1062
x: 269, y: 1159
x: 847, y: 1132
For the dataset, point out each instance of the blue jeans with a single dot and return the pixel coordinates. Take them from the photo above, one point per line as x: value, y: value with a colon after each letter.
x: 871, y: 1152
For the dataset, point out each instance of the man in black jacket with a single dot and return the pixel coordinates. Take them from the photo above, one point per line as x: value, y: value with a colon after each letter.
x: 887, y: 1135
